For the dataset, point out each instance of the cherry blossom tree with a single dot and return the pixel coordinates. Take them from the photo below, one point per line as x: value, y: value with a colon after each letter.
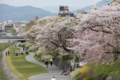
x: 51, y: 33
x: 98, y: 37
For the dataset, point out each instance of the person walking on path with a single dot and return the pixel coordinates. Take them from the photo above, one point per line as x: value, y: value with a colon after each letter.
x: 8, y: 53
x: 51, y: 61
x: 46, y: 63
x: 64, y: 70
x: 53, y: 78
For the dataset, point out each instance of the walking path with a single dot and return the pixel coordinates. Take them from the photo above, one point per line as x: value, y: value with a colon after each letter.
x: 9, y: 74
x: 53, y: 71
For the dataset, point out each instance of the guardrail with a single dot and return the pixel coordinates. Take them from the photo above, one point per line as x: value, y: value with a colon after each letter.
x: 12, y: 37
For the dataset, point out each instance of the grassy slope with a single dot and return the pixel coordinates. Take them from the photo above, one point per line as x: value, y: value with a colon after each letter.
x: 2, y: 47
x: 37, y: 58
x: 22, y: 68
x: 112, y: 70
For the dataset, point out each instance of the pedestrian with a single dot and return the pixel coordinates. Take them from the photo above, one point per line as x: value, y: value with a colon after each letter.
x: 46, y: 63
x: 23, y: 49
x: 64, y: 70
x: 27, y: 52
x: 51, y: 61
x: 8, y: 53
x: 53, y: 78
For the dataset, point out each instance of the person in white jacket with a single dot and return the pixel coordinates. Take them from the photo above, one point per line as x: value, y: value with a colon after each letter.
x: 51, y: 61
x: 53, y: 78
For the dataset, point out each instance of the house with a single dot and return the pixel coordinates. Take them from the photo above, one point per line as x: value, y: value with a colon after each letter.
x: 64, y: 11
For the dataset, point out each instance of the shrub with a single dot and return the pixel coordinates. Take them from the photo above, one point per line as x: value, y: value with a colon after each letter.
x: 67, y: 57
x: 32, y: 48
x: 101, y: 76
x: 44, y: 57
x: 38, y: 53
x: 90, y: 77
x: 55, y: 53
x: 80, y: 73
x: 96, y: 77
x: 22, y: 44
x: 75, y: 74
x: 28, y: 45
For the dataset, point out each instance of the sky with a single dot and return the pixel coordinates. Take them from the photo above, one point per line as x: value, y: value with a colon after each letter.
x: 45, y: 3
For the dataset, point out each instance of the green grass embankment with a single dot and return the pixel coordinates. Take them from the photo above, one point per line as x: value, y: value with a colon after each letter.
x: 21, y: 67
x: 2, y: 47
x: 112, y: 70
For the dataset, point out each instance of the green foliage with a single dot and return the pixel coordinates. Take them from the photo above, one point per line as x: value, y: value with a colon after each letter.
x: 37, y: 57
x: 22, y: 44
x: 96, y: 77
x: 85, y: 73
x: 29, y: 46
x: 101, y: 77
x: 60, y: 56
x: 67, y: 57
x: 55, y: 53
x: 32, y: 48
x: 43, y: 23
x: 112, y: 70
x: 72, y: 22
x: 38, y: 52
x: 28, y: 26
x: 4, y: 45
x: 61, y: 18
x: 90, y: 77
x: 44, y: 57
x: 75, y: 75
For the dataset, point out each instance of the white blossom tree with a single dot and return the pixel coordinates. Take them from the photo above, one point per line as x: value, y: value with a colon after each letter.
x: 51, y: 33
x: 98, y: 37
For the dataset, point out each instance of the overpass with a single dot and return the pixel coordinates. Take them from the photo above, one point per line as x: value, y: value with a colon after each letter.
x: 13, y: 38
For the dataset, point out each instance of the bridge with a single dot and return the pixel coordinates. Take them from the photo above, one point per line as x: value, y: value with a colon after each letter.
x: 13, y: 38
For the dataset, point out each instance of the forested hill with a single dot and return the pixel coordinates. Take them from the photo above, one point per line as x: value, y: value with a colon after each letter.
x: 21, y: 13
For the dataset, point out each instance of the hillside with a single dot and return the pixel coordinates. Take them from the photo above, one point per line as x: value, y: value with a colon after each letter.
x: 21, y: 13
x: 99, y: 4
x: 55, y: 9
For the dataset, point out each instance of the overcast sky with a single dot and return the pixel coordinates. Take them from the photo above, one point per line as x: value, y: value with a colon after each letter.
x: 44, y: 3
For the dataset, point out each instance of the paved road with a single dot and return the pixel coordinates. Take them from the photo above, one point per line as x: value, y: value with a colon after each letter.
x: 53, y: 71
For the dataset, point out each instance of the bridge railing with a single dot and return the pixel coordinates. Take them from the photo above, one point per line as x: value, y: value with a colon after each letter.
x: 12, y: 37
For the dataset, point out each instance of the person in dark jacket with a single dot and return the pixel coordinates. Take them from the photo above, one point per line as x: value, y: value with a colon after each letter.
x: 46, y: 63
x: 8, y: 53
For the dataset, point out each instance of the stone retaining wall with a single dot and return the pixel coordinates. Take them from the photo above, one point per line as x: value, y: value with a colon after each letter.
x: 112, y: 78
x: 62, y: 64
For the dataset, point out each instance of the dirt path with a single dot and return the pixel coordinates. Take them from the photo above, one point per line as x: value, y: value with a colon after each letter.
x: 6, y: 70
